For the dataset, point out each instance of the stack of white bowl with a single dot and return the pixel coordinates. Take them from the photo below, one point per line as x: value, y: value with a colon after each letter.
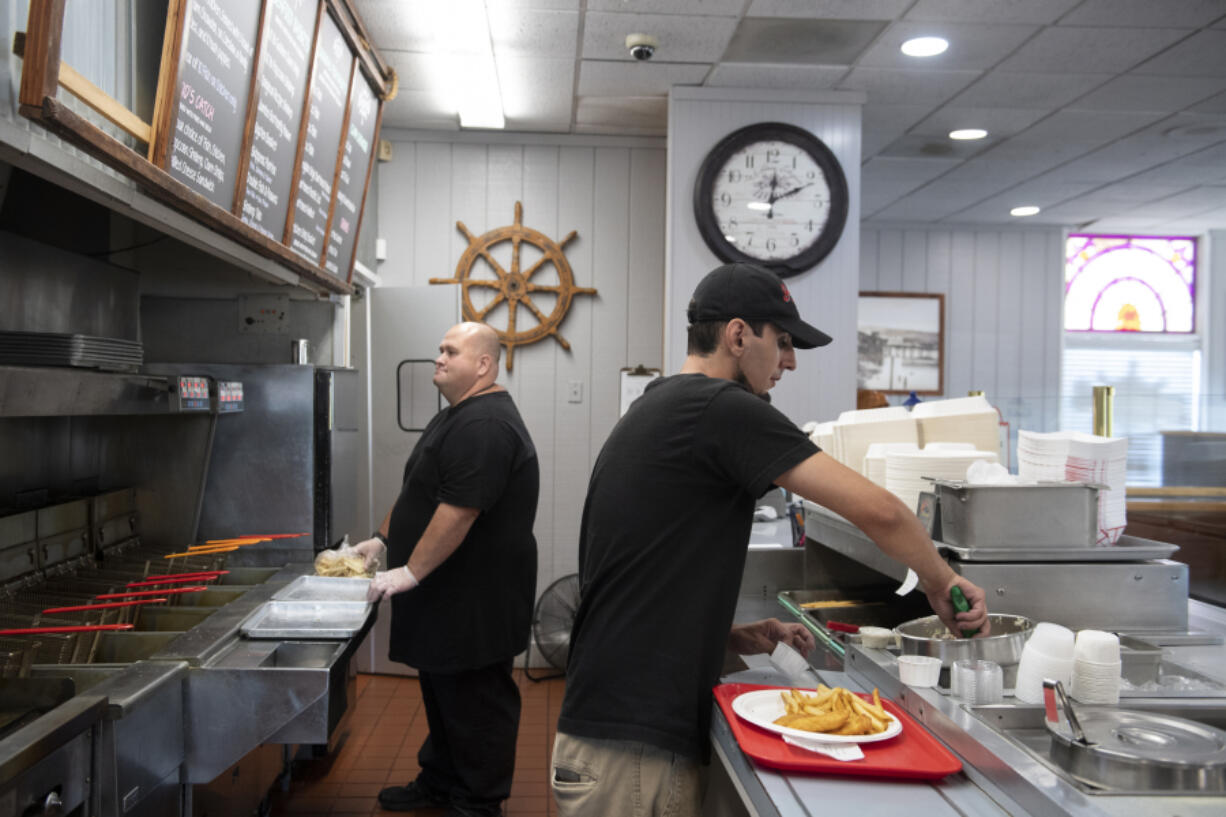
x: 874, y: 459
x: 1076, y: 457
x: 1048, y: 653
x: 905, y: 471
x: 962, y: 419
x: 1096, y: 667
x: 855, y: 431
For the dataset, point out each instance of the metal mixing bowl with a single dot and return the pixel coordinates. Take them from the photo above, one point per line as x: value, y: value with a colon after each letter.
x: 928, y: 636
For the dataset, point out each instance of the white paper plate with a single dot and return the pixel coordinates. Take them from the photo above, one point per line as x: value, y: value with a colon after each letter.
x: 762, y: 706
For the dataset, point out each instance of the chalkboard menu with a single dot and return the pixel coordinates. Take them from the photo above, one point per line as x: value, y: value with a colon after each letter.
x: 213, y: 83
x: 330, y: 76
x: 281, y: 77
x: 351, y: 181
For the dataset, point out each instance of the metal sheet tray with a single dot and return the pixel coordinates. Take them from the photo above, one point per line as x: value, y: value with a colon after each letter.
x: 1127, y: 549
x: 323, y: 588
x: 306, y: 619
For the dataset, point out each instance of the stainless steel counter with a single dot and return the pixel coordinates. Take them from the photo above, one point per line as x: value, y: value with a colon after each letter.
x: 1004, y: 766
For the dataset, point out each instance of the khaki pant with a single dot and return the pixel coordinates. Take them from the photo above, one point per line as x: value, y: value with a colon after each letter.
x: 624, y: 778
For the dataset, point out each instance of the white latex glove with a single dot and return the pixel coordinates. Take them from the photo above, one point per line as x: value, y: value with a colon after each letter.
x: 390, y: 582
x: 373, y: 551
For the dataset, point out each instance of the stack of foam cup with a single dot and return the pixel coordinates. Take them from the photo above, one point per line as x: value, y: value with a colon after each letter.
x: 1048, y: 654
x: 1096, y: 667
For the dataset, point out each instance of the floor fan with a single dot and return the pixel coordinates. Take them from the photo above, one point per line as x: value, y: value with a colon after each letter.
x: 551, y: 624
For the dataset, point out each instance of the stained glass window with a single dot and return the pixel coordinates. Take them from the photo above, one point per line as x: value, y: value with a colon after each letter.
x: 1115, y: 283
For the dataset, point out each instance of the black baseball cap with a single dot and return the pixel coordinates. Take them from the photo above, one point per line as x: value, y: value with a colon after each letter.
x: 751, y: 293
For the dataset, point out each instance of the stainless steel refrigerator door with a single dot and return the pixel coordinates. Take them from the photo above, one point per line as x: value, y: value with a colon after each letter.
x: 406, y: 323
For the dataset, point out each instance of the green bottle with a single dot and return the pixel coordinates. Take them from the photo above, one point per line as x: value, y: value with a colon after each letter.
x: 961, y: 605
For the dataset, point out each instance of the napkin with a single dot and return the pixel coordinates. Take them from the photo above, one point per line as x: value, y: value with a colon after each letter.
x: 838, y: 751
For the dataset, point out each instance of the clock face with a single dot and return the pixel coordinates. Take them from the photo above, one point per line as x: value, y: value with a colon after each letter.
x: 772, y: 194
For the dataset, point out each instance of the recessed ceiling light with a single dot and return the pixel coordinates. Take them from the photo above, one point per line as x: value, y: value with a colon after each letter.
x: 968, y: 133
x: 1028, y: 210
x: 925, y: 46
x: 758, y: 205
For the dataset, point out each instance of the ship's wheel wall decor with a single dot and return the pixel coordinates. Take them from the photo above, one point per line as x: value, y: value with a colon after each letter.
x: 514, y: 287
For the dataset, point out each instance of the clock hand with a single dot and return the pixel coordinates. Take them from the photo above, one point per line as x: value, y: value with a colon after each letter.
x: 773, y: 198
x: 793, y: 191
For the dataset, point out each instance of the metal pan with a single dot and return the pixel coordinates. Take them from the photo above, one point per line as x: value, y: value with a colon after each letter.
x: 928, y: 636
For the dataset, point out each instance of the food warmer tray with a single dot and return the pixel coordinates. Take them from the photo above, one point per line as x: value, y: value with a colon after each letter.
x: 306, y: 619
x: 324, y: 588
x: 1127, y: 549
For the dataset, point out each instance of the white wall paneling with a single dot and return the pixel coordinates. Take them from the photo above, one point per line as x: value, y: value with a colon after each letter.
x: 1003, y: 305
x: 612, y: 193
x: 825, y: 381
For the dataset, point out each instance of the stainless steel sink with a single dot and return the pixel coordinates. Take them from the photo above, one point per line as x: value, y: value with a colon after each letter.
x: 1025, y: 726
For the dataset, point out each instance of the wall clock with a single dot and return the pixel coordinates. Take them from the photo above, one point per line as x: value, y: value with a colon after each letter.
x: 771, y: 194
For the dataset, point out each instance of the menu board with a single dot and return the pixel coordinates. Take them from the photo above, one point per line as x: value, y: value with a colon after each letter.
x: 285, y: 52
x: 330, y: 76
x: 351, y: 181
x: 213, y: 83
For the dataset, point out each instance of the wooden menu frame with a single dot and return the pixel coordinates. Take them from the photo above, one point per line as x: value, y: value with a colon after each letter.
x: 43, y: 73
x: 901, y: 342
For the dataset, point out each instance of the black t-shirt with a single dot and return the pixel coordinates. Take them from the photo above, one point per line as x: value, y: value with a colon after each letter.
x: 661, y: 552
x: 476, y: 607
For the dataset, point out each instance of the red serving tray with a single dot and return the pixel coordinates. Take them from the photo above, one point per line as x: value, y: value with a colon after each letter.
x: 914, y: 754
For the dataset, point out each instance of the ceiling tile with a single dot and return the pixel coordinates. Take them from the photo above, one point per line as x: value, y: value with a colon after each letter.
x: 610, y: 79
x: 710, y: 8
x: 557, y: 5
x: 642, y: 115
x: 1079, y: 50
x: 1201, y: 55
x: 925, y: 146
x: 999, y: 171
x: 998, y: 122
x: 1035, y: 91
x: 974, y: 46
x: 829, y: 9
x: 764, y: 75
x: 682, y: 39
x: 1067, y: 134
x: 396, y: 25
x: 1144, y: 13
x: 991, y: 11
x: 533, y: 33
x: 809, y: 42
x: 882, y: 124
x: 882, y: 180
x: 887, y: 86
x: 418, y: 109
x: 418, y: 72
x: 1137, y: 92
x: 537, y: 93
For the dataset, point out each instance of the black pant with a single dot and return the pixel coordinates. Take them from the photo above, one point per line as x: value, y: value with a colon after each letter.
x: 473, y: 716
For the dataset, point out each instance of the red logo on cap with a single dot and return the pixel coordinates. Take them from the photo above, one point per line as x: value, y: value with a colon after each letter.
x: 787, y: 296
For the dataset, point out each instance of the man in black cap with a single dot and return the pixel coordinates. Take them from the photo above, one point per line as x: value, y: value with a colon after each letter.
x: 663, y: 543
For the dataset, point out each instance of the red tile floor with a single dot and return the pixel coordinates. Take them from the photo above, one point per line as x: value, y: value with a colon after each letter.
x: 384, y: 732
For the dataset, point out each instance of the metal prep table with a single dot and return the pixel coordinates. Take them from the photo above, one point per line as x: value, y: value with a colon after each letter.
x: 1001, y: 774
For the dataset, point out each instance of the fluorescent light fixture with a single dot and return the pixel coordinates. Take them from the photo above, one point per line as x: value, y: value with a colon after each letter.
x: 968, y: 133
x: 758, y: 205
x: 462, y: 36
x: 925, y: 46
x: 1028, y: 210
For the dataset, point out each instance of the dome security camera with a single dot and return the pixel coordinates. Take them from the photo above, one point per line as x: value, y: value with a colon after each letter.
x: 642, y: 46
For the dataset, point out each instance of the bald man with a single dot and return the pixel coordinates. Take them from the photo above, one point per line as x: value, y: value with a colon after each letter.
x: 462, y: 579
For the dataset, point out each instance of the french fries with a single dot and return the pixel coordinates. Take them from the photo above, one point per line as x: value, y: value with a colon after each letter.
x: 834, y: 711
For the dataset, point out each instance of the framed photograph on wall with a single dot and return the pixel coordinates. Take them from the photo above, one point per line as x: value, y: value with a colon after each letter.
x: 901, y: 342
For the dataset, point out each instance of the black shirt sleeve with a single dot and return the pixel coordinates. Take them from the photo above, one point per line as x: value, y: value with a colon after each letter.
x: 750, y: 440
x: 475, y: 463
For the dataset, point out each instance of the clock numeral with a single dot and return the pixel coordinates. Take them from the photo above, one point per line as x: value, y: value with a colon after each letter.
x: 809, y: 225
x: 749, y: 161
x: 749, y: 240
x: 734, y: 176
x: 725, y: 199
x: 770, y: 244
x: 730, y: 227
x: 812, y: 174
x: 795, y: 240
x: 793, y: 161
x: 772, y: 155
